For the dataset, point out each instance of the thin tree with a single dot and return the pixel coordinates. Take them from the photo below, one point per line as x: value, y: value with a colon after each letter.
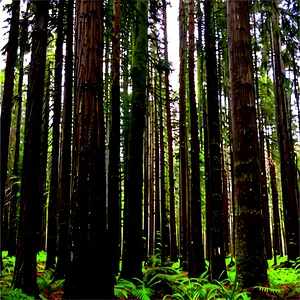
x: 114, y: 146
x: 183, y: 138
x: 6, y: 104
x: 173, y: 246
x: 65, y: 161
x: 196, y: 253
x: 52, y: 208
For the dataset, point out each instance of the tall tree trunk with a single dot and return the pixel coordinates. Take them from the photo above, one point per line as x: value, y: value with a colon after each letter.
x: 114, y: 147
x: 288, y: 178
x: 151, y: 188
x: 65, y: 158
x: 196, y: 253
x: 216, y: 238
x: 164, y: 220
x: 183, y: 184
x: 146, y: 182
x: 133, y: 249
x: 156, y: 163
x: 277, y: 248
x: 90, y: 236
x: 16, y: 186
x: 6, y: 104
x: 263, y: 175
x: 44, y: 159
x: 251, y: 264
x: 173, y: 245
x: 52, y: 208
x: 30, y: 205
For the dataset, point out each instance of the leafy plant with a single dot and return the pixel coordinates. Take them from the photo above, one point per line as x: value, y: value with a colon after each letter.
x: 123, y: 288
x: 48, y: 285
x: 15, y: 294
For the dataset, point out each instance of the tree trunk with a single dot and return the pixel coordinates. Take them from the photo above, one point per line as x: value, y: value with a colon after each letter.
x: 288, y: 178
x: 30, y: 205
x: 216, y: 239
x: 16, y: 186
x: 114, y: 147
x: 196, y: 253
x: 183, y: 185
x: 65, y: 158
x: 251, y: 264
x: 164, y: 229
x: 6, y: 104
x: 91, y: 248
x: 133, y: 249
x: 44, y: 160
x: 277, y: 248
x: 52, y: 208
x: 173, y: 245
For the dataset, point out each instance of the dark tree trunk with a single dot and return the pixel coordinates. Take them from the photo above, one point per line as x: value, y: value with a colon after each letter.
x: 277, y: 247
x: 114, y: 147
x: 216, y: 228
x: 164, y: 220
x: 196, y: 253
x: 151, y: 166
x: 288, y: 178
x: 156, y: 163
x: 30, y: 204
x: 263, y: 175
x: 251, y: 263
x: 65, y: 161
x: 183, y: 185
x: 44, y: 160
x: 173, y: 245
x: 6, y: 104
x: 16, y: 186
x: 52, y: 208
x: 146, y: 183
x: 133, y: 249
x: 226, y: 217
x: 91, y: 250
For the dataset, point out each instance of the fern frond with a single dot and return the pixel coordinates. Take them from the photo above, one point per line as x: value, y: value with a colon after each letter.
x: 144, y: 293
x: 266, y: 289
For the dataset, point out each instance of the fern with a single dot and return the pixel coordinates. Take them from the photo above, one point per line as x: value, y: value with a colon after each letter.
x: 15, y: 294
x: 143, y: 293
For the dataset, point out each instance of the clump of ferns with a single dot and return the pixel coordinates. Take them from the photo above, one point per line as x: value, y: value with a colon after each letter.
x: 48, y: 285
x: 141, y: 290
x: 284, y: 282
x: 229, y: 290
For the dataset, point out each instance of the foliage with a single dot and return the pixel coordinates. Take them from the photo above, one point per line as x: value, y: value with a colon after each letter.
x: 14, y: 295
x: 284, y: 282
x: 48, y: 285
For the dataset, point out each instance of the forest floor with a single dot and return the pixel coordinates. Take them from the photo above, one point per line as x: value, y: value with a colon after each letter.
x: 167, y: 282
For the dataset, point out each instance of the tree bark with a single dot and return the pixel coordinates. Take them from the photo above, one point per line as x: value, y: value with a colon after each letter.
x: 52, y: 208
x: 133, y: 249
x: 6, y: 104
x: 251, y: 264
x: 30, y: 205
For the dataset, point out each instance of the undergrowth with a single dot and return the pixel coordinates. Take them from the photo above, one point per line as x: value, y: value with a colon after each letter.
x: 165, y: 282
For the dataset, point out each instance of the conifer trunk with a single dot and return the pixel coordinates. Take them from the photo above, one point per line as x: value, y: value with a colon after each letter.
x: 30, y: 205
x: 251, y: 264
x: 6, y: 104
x: 52, y: 208
x: 65, y: 161
x: 133, y: 248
